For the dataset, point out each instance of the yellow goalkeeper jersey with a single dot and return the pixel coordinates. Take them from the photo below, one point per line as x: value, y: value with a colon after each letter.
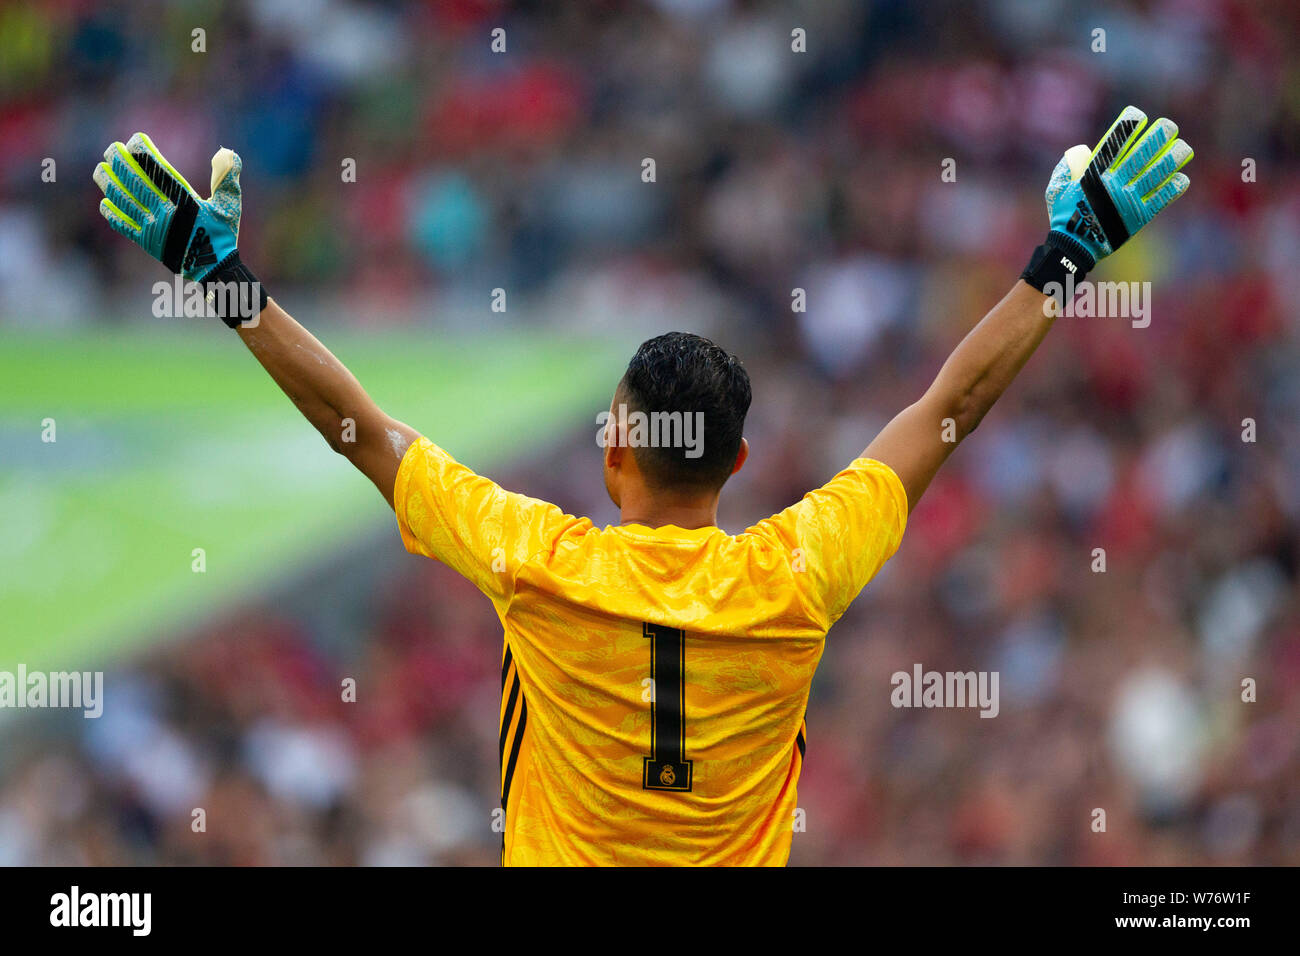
x: 654, y: 680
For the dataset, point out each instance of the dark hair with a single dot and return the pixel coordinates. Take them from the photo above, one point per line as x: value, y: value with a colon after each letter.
x: 685, y: 373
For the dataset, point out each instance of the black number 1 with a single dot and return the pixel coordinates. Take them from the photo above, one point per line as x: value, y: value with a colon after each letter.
x: 667, y: 768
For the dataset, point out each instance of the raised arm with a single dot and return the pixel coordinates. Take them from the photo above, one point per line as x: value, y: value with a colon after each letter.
x: 1096, y: 200
x: 149, y: 202
x: 921, y: 437
x: 329, y: 396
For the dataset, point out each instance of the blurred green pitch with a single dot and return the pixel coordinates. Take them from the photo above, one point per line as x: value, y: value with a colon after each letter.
x: 175, y: 440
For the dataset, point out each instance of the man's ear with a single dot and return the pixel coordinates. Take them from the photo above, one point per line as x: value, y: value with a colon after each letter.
x: 615, y: 442
x: 741, y: 456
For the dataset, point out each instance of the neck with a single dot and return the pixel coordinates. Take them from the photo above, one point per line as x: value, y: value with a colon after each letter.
x: 654, y: 510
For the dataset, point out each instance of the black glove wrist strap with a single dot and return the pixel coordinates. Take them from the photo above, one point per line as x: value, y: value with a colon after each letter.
x: 1060, y: 260
x: 233, y: 293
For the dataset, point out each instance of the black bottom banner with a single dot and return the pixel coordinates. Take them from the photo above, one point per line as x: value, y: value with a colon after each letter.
x: 974, y: 905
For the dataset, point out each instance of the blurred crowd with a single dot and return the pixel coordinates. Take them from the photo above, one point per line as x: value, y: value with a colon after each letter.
x: 1118, y: 539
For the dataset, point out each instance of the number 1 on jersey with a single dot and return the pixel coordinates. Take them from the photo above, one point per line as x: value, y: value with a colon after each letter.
x: 667, y: 768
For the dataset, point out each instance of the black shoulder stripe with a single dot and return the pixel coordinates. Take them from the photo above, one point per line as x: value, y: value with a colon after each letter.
x: 513, y: 699
x: 508, y: 718
x: 514, y: 753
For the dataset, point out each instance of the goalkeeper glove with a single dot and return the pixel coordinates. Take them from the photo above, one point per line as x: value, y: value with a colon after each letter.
x: 1097, y: 200
x: 150, y: 203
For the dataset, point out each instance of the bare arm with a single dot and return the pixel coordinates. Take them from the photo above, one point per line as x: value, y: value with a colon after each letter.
x: 974, y: 377
x: 1096, y: 201
x: 149, y: 202
x: 328, y: 395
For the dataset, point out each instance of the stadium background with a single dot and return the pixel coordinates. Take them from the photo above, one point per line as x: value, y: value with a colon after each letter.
x: 521, y: 171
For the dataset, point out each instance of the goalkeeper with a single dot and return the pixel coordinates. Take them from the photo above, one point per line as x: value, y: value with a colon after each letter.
x: 725, y: 630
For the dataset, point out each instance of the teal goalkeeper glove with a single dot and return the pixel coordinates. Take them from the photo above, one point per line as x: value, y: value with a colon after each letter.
x: 1096, y: 201
x: 150, y: 203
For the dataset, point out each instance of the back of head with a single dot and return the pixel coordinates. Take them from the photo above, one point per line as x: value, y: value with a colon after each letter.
x: 692, y: 397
